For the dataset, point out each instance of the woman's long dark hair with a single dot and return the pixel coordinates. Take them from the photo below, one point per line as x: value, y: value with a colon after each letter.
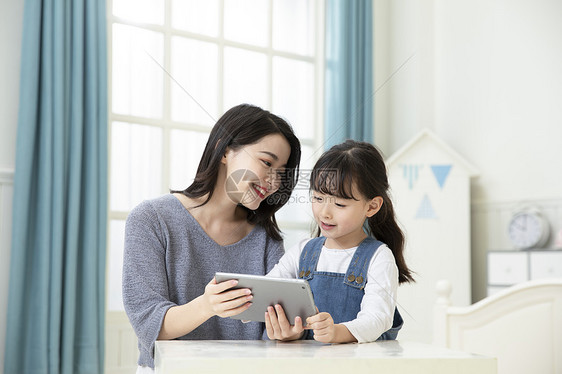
x: 361, y: 163
x: 243, y: 125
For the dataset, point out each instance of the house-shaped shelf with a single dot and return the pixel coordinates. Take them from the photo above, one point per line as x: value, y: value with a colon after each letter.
x: 430, y: 189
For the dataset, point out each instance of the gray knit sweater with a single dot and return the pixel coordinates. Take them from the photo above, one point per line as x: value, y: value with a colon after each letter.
x: 169, y: 259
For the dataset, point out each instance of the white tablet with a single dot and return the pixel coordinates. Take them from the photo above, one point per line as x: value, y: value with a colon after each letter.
x: 294, y: 295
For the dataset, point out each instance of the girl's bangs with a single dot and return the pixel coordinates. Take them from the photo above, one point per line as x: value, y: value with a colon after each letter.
x: 333, y: 181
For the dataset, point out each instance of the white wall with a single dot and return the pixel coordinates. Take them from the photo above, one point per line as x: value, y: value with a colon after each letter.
x: 495, y: 91
x: 499, y: 93
x: 486, y: 78
x: 11, y: 15
x: 396, y: 67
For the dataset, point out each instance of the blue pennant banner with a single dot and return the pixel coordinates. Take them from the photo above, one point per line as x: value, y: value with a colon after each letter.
x: 411, y: 173
x: 425, y: 210
x: 441, y: 172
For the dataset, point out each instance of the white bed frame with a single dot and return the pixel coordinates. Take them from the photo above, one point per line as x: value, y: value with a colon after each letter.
x: 521, y: 326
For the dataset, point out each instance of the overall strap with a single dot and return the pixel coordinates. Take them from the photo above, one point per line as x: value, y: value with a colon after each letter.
x: 309, y: 257
x: 356, y: 274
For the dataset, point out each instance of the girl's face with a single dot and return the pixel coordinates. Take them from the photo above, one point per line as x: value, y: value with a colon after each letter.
x: 254, y: 171
x: 341, y: 220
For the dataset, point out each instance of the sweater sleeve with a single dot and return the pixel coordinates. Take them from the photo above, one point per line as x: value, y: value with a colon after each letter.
x: 145, y: 286
x: 288, y: 265
x: 274, y: 251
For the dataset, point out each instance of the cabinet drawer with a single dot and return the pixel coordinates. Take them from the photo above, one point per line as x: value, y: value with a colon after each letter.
x: 505, y: 269
x: 495, y: 289
x: 546, y: 265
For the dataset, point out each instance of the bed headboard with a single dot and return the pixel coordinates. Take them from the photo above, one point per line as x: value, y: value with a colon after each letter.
x: 521, y: 326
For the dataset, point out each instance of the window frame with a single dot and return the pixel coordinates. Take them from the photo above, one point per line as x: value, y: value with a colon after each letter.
x: 166, y: 124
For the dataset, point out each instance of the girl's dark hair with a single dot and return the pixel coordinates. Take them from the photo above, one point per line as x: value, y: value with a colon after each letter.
x: 361, y: 163
x: 243, y: 125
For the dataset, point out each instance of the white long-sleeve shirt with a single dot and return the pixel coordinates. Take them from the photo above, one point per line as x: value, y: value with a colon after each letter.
x: 378, y: 304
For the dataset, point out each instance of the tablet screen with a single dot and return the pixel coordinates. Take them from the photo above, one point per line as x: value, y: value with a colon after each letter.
x: 294, y: 295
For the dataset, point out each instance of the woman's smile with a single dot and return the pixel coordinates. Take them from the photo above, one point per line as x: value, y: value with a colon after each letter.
x: 260, y: 191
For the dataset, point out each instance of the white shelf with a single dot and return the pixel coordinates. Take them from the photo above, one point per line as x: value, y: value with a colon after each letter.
x: 510, y: 267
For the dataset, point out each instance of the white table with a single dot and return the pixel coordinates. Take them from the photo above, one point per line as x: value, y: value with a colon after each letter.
x: 256, y: 356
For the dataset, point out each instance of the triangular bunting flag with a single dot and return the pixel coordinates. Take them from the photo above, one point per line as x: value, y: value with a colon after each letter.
x: 425, y: 210
x: 441, y: 172
x: 411, y: 174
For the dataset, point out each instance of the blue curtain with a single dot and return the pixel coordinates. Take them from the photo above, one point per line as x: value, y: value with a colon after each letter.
x: 56, y: 307
x: 349, y: 91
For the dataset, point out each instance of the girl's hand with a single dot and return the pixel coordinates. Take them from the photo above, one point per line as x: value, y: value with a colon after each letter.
x: 218, y: 301
x: 323, y: 326
x: 278, y: 326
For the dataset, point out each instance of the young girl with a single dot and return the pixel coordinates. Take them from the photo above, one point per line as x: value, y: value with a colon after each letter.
x: 355, y: 266
x: 224, y: 221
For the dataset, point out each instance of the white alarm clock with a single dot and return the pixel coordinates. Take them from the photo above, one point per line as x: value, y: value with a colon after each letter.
x: 528, y: 229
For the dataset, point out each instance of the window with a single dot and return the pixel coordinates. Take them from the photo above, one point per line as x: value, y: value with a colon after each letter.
x: 176, y: 66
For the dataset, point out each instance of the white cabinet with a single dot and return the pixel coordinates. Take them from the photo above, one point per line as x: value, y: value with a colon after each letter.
x: 546, y: 265
x: 506, y: 268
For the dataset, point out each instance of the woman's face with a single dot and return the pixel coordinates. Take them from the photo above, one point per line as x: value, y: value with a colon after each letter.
x: 254, y: 171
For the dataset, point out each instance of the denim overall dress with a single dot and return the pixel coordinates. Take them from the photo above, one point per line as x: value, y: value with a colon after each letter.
x: 337, y: 293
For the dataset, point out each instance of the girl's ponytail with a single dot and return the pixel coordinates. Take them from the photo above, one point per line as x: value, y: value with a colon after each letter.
x: 383, y: 227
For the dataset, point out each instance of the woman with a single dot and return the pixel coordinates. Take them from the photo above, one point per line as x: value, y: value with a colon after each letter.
x: 224, y: 221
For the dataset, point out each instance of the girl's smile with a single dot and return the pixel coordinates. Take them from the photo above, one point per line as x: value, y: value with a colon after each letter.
x: 326, y: 226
